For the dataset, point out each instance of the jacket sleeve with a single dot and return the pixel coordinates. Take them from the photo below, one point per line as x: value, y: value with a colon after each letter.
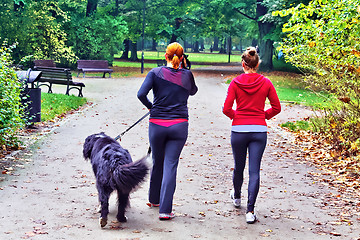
x: 274, y: 102
x: 229, y: 102
x: 145, y: 89
x: 194, y: 88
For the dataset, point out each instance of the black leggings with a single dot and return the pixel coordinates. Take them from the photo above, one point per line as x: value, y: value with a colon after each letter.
x: 254, y: 143
x: 166, y: 146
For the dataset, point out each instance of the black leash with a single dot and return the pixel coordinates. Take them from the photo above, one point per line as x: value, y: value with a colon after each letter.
x: 121, y: 134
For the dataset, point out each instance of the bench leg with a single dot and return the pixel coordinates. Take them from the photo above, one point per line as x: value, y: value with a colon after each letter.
x: 67, y: 90
x: 83, y: 74
x: 104, y: 75
x: 109, y: 75
x: 80, y: 92
x: 50, y: 88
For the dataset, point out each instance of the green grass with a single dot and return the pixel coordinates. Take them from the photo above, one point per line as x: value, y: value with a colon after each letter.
x: 193, y: 57
x: 133, y: 64
x: 53, y: 104
x: 298, y: 125
x: 291, y: 88
x: 138, y: 65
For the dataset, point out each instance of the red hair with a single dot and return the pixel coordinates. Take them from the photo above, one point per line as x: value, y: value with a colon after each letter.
x: 174, y: 53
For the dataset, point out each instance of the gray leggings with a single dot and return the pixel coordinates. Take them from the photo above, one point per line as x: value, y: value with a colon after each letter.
x: 254, y: 143
x: 166, y: 145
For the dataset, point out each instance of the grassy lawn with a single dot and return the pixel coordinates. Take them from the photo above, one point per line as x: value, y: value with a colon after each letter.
x: 53, y: 104
x: 193, y: 57
x: 291, y: 88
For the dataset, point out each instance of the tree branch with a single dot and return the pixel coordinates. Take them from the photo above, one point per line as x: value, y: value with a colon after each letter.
x: 245, y: 15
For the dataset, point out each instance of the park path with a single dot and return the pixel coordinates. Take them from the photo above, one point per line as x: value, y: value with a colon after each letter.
x: 53, y: 195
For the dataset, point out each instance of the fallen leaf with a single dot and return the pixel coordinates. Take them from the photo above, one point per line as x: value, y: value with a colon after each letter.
x: 335, y: 233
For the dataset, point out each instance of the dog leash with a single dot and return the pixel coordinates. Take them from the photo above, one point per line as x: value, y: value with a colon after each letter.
x: 121, y: 134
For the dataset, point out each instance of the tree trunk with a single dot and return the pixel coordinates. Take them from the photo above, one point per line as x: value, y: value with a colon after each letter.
x: 91, y: 7
x: 174, y: 36
x: 223, y: 46
x: 229, y: 48
x: 265, y: 46
x: 154, y: 45
x: 202, y: 46
x: 216, y: 44
x: 133, y: 49
x: 196, y: 47
x: 125, y: 54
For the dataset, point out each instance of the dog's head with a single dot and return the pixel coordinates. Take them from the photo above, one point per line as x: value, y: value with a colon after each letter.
x: 90, y: 142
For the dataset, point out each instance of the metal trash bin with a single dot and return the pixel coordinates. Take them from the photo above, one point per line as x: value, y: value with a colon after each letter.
x: 31, y: 96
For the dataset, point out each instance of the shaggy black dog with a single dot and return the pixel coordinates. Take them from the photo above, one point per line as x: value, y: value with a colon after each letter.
x: 114, y: 170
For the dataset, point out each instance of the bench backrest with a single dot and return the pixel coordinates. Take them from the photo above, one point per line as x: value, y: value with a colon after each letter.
x: 45, y: 63
x: 55, y: 75
x: 92, y: 64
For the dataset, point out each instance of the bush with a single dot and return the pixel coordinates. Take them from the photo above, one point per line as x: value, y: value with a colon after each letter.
x: 322, y: 39
x: 10, y: 108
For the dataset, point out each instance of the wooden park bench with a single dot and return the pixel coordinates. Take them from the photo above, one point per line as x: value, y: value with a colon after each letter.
x: 44, y: 63
x: 161, y: 62
x: 60, y: 76
x: 93, y: 66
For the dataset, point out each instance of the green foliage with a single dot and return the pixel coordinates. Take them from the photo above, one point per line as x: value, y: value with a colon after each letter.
x: 37, y: 27
x: 47, y: 37
x: 322, y: 39
x: 297, y: 126
x: 10, y: 108
x: 54, y: 105
x: 98, y: 36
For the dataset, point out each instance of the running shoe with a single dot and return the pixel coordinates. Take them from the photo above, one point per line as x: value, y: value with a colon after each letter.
x: 152, y: 205
x: 166, y: 216
x: 236, y: 201
x: 251, y: 217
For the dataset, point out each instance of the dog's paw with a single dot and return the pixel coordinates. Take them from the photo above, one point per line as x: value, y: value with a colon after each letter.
x: 103, y: 222
x: 122, y: 219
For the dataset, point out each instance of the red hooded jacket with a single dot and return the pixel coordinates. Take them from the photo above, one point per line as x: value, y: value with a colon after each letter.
x: 250, y: 92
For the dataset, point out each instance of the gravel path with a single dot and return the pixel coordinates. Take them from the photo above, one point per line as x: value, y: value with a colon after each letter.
x: 51, y: 192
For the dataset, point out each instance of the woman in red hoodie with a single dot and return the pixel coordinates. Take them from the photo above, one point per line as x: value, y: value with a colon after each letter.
x: 249, y: 129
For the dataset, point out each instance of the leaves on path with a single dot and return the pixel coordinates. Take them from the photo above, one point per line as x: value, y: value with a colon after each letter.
x: 334, y: 170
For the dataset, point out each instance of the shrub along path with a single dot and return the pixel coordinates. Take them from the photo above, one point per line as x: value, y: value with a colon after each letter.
x: 52, y: 195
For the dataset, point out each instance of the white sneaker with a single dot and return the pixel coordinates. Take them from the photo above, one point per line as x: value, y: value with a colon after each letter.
x: 236, y: 201
x: 251, y: 217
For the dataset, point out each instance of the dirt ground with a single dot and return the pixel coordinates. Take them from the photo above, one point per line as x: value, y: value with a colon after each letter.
x: 50, y: 191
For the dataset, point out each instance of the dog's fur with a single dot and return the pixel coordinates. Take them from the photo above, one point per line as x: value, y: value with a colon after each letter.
x: 114, y: 170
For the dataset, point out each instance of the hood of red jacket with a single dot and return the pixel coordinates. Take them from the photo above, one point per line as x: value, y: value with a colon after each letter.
x: 250, y: 83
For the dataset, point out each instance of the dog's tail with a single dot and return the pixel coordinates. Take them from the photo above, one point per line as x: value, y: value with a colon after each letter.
x: 129, y: 176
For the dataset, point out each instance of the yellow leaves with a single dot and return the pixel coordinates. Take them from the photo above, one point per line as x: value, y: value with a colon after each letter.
x: 358, y: 9
x: 312, y: 44
x: 356, y: 53
x: 354, y: 146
